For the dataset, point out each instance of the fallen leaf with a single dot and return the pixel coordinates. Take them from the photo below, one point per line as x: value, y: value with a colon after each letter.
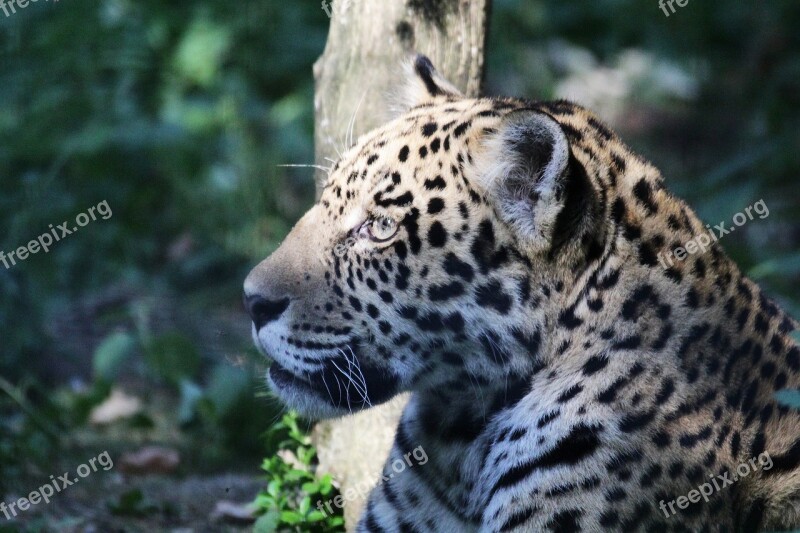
x: 150, y: 460
x: 116, y: 407
x: 234, y: 512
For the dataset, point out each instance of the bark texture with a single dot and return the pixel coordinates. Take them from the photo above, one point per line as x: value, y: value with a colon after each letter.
x: 355, y: 78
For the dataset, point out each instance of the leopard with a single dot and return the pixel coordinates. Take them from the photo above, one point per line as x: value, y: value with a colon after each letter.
x: 498, y: 259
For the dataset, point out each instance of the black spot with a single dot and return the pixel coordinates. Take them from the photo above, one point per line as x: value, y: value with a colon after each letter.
x: 634, y: 422
x: 572, y: 132
x: 408, y: 312
x: 412, y: 228
x: 401, y: 201
x: 610, y: 394
x: 492, y: 295
x: 642, y: 295
x: 456, y: 267
x: 568, y: 319
x: 793, y: 358
x: 690, y: 440
x: 547, y: 418
x: 386, y: 296
x: 400, y: 249
x: 430, y: 322
x: 661, y: 439
x: 604, y: 132
x: 403, y: 154
x: 531, y: 343
x: 401, y: 278
x: 461, y: 129
x: 595, y: 364
x: 518, y: 518
x: 785, y: 462
x: 355, y: 303
x: 439, y: 293
x: 753, y: 520
x: 647, y: 256
x: 405, y: 31
x: 566, y: 521
x: 429, y: 129
x: 437, y: 235
x: 628, y: 343
x: 582, y: 442
x: 570, y: 393
x: 644, y: 194
x: 609, y: 519
x: 667, y: 388
x: 435, y: 205
x: 437, y: 183
x: 454, y: 322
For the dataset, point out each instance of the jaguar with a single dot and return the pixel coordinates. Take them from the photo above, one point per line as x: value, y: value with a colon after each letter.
x: 498, y: 258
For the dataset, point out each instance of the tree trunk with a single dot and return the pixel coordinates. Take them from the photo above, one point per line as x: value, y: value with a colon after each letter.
x: 359, y: 69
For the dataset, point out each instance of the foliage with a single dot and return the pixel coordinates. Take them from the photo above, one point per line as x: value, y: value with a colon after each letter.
x: 289, y: 502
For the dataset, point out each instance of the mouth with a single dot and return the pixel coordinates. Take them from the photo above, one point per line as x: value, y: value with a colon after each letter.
x: 283, y: 379
x: 341, y: 382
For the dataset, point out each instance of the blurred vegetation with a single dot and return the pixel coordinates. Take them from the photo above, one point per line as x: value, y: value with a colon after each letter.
x: 178, y: 115
x: 295, y: 495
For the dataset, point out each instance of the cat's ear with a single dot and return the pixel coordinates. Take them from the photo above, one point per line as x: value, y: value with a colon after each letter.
x: 422, y: 84
x: 524, y: 167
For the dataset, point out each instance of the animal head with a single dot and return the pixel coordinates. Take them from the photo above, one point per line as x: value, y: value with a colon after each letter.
x: 438, y: 251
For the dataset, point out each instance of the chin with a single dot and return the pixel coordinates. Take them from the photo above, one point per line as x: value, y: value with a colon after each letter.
x: 299, y: 395
x: 340, y: 385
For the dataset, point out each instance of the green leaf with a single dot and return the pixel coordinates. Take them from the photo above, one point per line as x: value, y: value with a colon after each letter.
x: 274, y: 487
x: 291, y: 517
x: 789, y: 397
x: 268, y: 522
x: 131, y: 503
x: 227, y: 385
x: 315, y: 516
x: 201, y: 51
x: 263, y: 501
x: 172, y: 357
x: 782, y: 266
x: 326, y: 484
x: 110, y: 355
x: 305, y: 505
x: 191, y: 393
x: 296, y: 475
x: 311, y: 487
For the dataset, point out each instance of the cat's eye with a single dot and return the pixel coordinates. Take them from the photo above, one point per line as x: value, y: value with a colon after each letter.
x: 381, y: 228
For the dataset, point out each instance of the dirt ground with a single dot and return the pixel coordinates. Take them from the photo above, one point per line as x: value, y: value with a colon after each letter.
x: 97, y: 504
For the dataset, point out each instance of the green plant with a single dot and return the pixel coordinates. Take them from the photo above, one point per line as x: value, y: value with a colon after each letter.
x: 290, y: 500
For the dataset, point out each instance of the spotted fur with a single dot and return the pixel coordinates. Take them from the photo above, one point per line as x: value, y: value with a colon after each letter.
x: 562, y: 379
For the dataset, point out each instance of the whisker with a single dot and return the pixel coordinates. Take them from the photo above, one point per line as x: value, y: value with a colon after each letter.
x: 353, y: 120
x: 318, y: 167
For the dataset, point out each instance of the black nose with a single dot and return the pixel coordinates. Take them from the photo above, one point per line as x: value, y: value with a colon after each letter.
x: 263, y: 311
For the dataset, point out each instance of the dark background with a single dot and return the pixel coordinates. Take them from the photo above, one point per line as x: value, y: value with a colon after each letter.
x: 179, y: 114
